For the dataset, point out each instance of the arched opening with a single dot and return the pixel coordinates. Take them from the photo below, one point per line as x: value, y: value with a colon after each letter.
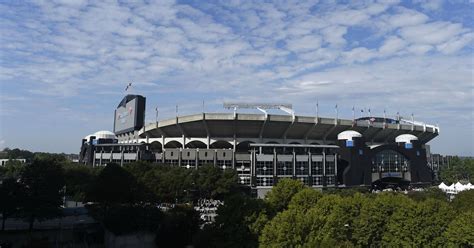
x: 196, y: 144
x: 156, y: 146
x: 315, y: 150
x: 299, y: 150
x: 244, y: 146
x: 391, y: 167
x: 269, y: 149
x: 222, y: 144
x: 173, y: 144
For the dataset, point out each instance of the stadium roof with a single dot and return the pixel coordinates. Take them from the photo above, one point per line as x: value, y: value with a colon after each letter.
x: 281, y: 127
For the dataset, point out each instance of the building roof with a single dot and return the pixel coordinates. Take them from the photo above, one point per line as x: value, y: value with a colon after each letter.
x: 280, y: 126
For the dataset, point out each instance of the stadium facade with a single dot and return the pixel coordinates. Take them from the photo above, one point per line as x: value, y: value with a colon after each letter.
x: 264, y: 148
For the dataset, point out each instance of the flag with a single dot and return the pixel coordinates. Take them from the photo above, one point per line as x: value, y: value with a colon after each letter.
x: 128, y: 86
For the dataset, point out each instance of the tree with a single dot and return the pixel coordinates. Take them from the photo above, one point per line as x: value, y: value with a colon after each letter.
x: 79, y: 179
x: 464, y: 201
x: 43, y: 181
x: 296, y: 228
x: 12, y: 169
x: 114, y: 185
x: 177, y: 227
x: 169, y: 184
x: 232, y: 224
x: 305, y: 199
x: 428, y: 193
x: 460, y: 231
x: 11, y: 195
x: 418, y: 224
x: 458, y: 170
x: 280, y: 196
x: 370, y: 226
x: 211, y: 182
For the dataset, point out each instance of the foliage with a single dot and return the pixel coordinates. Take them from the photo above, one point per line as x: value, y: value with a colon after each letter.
x: 79, y: 179
x: 460, y: 232
x: 213, y: 183
x: 232, y: 224
x: 280, y: 195
x: 418, y: 224
x: 12, y: 169
x: 177, y: 227
x: 168, y: 183
x: 428, y: 193
x: 458, y: 170
x: 16, y: 153
x: 43, y: 181
x: 114, y: 185
x: 464, y: 201
x: 11, y: 195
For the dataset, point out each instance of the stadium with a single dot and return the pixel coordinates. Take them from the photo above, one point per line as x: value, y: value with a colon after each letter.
x: 264, y: 148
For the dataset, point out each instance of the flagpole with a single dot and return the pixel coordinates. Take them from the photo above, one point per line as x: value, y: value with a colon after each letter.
x: 353, y: 113
x: 317, y: 109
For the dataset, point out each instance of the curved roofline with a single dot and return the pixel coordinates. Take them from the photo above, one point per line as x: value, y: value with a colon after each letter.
x: 283, y: 126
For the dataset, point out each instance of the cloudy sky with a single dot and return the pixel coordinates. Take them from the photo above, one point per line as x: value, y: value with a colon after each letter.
x: 64, y: 64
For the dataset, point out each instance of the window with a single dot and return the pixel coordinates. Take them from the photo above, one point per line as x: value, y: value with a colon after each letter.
x: 390, y: 161
x: 264, y: 167
x: 264, y: 181
x: 317, y: 167
x: 285, y: 168
x: 302, y: 168
x: 317, y: 180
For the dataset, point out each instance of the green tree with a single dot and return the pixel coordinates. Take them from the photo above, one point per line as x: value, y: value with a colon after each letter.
x: 212, y: 182
x: 12, y: 169
x: 43, y: 181
x: 458, y: 170
x: 374, y: 215
x: 464, y: 201
x: 169, y: 184
x: 12, y: 196
x: 280, y: 195
x: 339, y: 225
x: 418, y: 224
x: 114, y: 185
x: 428, y: 193
x: 79, y: 179
x: 232, y: 224
x: 296, y: 228
x: 305, y: 199
x: 177, y: 227
x: 460, y: 231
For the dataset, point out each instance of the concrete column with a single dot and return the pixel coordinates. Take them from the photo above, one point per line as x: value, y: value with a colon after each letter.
x: 294, y: 163
x: 234, y: 149
x: 324, y: 168
x: 335, y: 169
x: 93, y: 159
x: 121, y: 156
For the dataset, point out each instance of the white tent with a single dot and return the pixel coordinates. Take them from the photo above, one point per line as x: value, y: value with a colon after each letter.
x: 443, y: 186
x: 469, y: 186
x: 451, y: 189
x: 459, y: 186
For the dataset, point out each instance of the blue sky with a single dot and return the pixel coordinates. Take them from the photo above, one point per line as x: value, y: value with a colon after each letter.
x: 64, y: 64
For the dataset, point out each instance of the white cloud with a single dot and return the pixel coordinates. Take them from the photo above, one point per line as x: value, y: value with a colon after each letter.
x: 69, y: 49
x: 304, y: 43
x: 406, y: 17
x: 431, y: 33
x: 391, y: 45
